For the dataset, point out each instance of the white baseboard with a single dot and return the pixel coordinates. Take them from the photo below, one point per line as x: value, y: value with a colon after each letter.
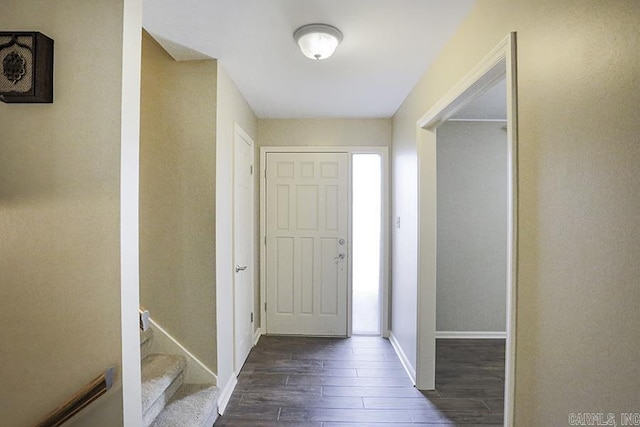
x: 196, y: 371
x: 471, y: 335
x: 403, y: 358
x: 256, y: 336
x: 225, y: 394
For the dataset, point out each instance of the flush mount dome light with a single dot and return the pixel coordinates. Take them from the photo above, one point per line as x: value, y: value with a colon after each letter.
x: 317, y: 41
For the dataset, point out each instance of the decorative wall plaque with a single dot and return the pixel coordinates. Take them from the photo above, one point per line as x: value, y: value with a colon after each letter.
x: 26, y: 67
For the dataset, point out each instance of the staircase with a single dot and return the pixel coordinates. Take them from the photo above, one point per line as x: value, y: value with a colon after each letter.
x: 166, y: 400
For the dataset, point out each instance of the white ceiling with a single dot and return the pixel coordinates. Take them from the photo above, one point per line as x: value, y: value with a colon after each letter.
x: 491, y: 105
x: 387, y: 47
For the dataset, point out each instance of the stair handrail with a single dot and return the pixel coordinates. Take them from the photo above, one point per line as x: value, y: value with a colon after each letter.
x: 83, y: 398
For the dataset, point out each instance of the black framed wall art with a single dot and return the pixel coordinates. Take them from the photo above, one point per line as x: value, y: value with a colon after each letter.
x: 26, y: 67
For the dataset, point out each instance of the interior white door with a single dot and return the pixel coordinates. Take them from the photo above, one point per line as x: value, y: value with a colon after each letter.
x: 306, y: 232
x: 243, y: 247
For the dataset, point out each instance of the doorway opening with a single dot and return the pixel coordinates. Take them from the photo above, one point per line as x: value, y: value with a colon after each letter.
x: 472, y: 244
x: 499, y: 64
x: 367, y: 237
x: 285, y: 171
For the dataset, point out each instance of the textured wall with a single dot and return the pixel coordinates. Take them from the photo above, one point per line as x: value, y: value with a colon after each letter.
x: 60, y: 217
x: 404, y: 239
x: 324, y: 132
x: 177, y: 198
x: 472, y: 227
x: 579, y: 174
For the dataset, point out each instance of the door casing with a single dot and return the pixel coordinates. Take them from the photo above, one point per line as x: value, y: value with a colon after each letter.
x: 350, y: 150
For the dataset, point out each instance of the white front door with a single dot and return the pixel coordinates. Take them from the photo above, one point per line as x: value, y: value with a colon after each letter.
x: 306, y: 232
x: 243, y: 247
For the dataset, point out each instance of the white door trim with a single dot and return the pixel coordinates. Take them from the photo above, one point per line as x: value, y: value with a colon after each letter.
x: 498, y: 64
x: 384, y: 153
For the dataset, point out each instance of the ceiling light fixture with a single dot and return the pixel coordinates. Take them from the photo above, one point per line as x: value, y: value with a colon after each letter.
x: 317, y: 41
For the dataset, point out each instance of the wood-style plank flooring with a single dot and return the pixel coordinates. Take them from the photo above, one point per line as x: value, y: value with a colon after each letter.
x: 359, y: 381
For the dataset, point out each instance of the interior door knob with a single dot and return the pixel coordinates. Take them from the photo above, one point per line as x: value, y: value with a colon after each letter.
x: 239, y: 268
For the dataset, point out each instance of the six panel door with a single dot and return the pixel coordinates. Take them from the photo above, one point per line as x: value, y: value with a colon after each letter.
x: 307, y: 230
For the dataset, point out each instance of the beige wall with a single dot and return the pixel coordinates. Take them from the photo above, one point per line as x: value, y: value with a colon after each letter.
x: 324, y: 132
x: 232, y: 109
x: 60, y: 217
x: 177, y: 197
x: 404, y: 239
x: 579, y: 172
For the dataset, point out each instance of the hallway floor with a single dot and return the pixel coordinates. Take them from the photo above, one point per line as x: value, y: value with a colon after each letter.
x: 332, y: 382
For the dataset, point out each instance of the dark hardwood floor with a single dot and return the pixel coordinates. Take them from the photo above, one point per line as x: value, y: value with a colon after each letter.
x: 329, y: 382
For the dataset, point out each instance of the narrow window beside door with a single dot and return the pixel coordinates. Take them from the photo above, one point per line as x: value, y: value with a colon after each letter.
x: 367, y: 214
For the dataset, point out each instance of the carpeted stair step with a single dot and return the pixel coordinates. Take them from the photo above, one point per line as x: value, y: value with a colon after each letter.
x: 194, y: 405
x: 146, y: 338
x: 162, y: 376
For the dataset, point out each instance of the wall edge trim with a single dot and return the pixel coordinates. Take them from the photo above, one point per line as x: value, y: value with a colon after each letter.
x: 256, y: 336
x: 471, y: 335
x: 191, y: 358
x: 403, y: 358
x: 226, y: 392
